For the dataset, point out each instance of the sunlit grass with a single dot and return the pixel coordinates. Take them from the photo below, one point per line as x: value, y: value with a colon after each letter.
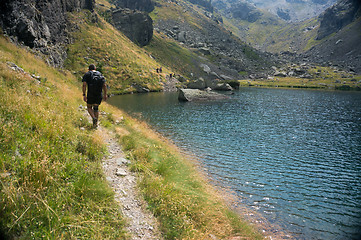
x: 183, y: 201
x: 122, y: 62
x: 52, y: 185
x: 322, y: 78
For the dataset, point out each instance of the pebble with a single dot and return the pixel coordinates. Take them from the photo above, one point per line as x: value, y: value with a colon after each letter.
x: 121, y: 172
x: 121, y: 161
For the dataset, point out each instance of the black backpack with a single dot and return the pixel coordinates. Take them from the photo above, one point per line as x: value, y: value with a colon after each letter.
x: 96, y: 83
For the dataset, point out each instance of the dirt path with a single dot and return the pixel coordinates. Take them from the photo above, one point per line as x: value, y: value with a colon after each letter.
x: 141, y: 224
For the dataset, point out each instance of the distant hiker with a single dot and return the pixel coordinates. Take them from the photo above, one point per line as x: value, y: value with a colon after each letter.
x: 160, y: 69
x: 157, y: 70
x: 97, y: 90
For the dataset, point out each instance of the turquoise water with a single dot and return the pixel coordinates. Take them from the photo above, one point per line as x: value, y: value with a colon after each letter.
x: 292, y: 155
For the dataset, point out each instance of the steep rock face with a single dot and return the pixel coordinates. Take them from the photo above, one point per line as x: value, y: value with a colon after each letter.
x: 238, y: 9
x: 338, y: 16
x: 141, y: 5
x: 136, y: 25
x: 342, y: 49
x: 41, y: 24
x: 245, y: 12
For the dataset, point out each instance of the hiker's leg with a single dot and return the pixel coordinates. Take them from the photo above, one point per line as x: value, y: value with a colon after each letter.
x: 96, y: 110
x: 91, y: 111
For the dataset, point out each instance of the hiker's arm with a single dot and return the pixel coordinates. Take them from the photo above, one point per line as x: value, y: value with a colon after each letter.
x: 84, y: 91
x: 105, y: 96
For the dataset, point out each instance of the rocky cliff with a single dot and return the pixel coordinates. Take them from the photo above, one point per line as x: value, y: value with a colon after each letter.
x: 338, y: 16
x: 340, y: 37
x: 136, y: 25
x: 238, y: 9
x: 41, y: 24
x: 342, y: 49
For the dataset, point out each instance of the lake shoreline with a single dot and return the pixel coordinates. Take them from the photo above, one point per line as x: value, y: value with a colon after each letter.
x: 246, y: 164
x: 353, y: 84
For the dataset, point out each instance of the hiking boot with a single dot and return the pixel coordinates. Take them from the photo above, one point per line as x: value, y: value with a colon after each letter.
x: 95, y: 123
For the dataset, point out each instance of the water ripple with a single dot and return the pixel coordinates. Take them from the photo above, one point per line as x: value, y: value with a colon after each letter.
x: 295, y: 156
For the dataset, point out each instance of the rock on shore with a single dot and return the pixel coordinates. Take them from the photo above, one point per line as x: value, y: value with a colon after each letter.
x: 188, y: 95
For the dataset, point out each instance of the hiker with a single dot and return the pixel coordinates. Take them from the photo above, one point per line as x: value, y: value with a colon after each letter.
x: 95, y: 82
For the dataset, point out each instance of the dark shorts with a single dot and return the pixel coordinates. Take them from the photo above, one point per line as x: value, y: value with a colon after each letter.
x: 94, y: 100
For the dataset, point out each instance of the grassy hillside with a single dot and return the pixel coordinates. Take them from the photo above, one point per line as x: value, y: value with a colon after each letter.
x: 52, y: 183
x: 122, y: 62
x: 257, y: 33
x: 296, y: 37
x: 169, y: 53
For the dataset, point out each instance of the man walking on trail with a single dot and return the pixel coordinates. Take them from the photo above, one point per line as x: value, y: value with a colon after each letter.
x: 97, y: 90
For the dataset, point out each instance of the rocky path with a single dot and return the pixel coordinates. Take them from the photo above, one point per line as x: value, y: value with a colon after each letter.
x: 141, y: 224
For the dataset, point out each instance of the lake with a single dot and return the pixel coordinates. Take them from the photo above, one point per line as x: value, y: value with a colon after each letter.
x: 293, y: 156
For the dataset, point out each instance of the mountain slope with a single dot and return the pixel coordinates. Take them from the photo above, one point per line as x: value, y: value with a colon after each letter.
x: 331, y: 38
x: 342, y: 48
x: 289, y: 10
x: 202, y: 32
x: 122, y: 62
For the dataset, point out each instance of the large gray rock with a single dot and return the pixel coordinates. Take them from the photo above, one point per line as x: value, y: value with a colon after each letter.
x: 189, y: 95
x: 182, y: 36
x: 205, y: 68
x: 139, y: 88
x: 136, y: 25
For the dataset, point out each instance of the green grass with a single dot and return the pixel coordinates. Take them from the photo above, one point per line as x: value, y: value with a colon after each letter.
x: 173, y: 56
x: 323, y: 78
x: 122, y: 62
x: 185, y: 204
x: 51, y: 185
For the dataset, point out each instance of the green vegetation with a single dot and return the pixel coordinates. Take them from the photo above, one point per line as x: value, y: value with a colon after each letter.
x: 321, y: 77
x: 259, y: 32
x: 123, y: 63
x: 51, y: 180
x: 172, y: 55
x: 187, y: 207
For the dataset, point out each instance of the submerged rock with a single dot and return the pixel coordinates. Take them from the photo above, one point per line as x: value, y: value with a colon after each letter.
x: 188, y: 95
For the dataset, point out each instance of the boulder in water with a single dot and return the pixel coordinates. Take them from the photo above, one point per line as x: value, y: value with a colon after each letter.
x: 189, y: 95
